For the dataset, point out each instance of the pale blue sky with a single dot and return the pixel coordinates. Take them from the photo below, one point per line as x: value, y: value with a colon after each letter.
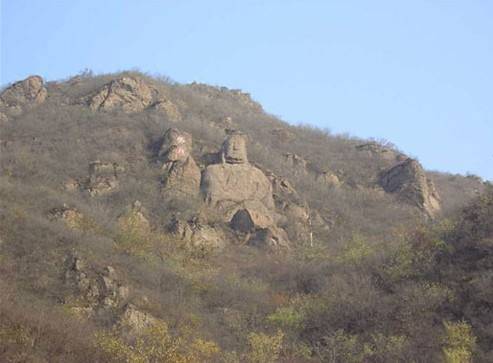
x: 418, y: 73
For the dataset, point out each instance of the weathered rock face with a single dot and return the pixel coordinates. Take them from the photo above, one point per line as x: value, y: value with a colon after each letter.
x: 103, y: 177
x: 409, y: 181
x: 224, y: 185
x: 272, y: 237
x: 176, y: 145
x: 196, y: 234
x: 299, y: 222
x: 234, y: 149
x: 127, y: 93
x: 24, y: 94
x: 251, y: 216
x: 98, y: 289
x: 181, y: 173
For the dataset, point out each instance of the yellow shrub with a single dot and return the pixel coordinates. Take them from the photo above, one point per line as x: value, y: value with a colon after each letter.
x: 458, y: 342
x: 265, y: 348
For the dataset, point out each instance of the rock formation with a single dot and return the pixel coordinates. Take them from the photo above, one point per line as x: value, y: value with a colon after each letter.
x: 127, y: 93
x: 23, y: 94
x: 98, y: 289
x: 196, y: 234
x: 229, y: 186
x: 103, y: 177
x: 376, y: 150
x: 272, y: 237
x: 242, y: 194
x: 181, y: 173
x: 408, y: 180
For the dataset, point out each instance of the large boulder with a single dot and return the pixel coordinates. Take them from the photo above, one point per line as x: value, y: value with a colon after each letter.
x: 272, y: 237
x: 24, y: 94
x: 181, y: 173
x: 198, y: 235
x: 127, y: 93
x: 408, y: 180
x: 224, y: 185
x: 176, y: 145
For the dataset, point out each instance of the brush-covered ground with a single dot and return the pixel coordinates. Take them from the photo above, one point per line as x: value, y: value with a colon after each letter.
x: 88, y: 275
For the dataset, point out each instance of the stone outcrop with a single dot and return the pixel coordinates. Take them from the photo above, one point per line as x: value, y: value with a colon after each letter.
x: 181, y: 173
x: 272, y: 237
x: 196, y: 234
x: 127, y: 93
x: 95, y: 288
x: 298, y: 222
x: 408, y: 180
x: 103, y: 177
x: 376, y: 150
x: 23, y: 94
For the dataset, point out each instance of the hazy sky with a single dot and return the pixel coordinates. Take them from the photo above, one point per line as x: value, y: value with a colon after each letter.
x: 418, y: 73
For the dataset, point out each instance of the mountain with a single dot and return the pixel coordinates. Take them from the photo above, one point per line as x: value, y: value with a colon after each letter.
x: 146, y: 220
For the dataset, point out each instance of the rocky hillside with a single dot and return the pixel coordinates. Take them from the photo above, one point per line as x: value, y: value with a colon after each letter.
x: 135, y: 204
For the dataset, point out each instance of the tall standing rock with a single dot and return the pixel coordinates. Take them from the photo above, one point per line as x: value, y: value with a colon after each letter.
x: 181, y: 172
x: 408, y: 180
x: 234, y: 149
x: 24, y: 94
